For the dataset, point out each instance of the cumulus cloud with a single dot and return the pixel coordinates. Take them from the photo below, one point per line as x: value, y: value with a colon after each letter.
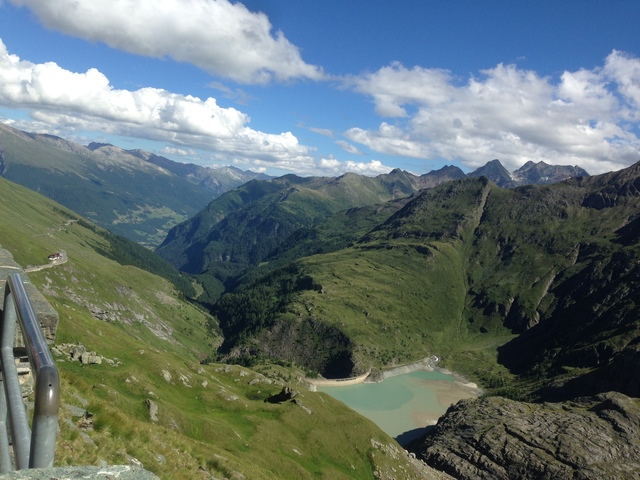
x: 223, y: 38
x: 68, y: 103
x: 391, y: 140
x: 587, y: 117
x: 373, y: 167
x: 62, y: 100
x: 394, y: 86
x: 332, y: 167
x: 625, y: 71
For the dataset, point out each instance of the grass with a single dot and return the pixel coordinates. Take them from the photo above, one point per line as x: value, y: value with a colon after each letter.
x: 212, y: 418
x: 399, y: 305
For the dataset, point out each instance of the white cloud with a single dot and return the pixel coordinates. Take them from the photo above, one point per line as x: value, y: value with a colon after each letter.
x: 373, y: 167
x: 348, y: 147
x: 625, y: 71
x: 333, y: 167
x: 325, y: 132
x: 586, y: 117
x: 60, y: 100
x: 390, y: 140
x: 179, y: 151
x: 394, y: 86
x: 221, y: 37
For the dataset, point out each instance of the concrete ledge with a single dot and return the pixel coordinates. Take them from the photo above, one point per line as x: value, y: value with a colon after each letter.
x: 7, y: 266
x: 46, y: 314
x: 121, y: 472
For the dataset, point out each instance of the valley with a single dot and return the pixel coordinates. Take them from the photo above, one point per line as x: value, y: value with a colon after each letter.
x: 132, y: 193
x: 211, y: 418
x: 528, y: 291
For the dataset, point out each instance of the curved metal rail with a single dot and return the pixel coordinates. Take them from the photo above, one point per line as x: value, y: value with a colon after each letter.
x: 32, y: 448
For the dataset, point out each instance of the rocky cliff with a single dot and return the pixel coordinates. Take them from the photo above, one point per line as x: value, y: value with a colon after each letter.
x: 587, y: 438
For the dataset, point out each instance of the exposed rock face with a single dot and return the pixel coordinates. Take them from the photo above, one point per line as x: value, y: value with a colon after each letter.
x: 613, y: 189
x: 297, y: 341
x: 287, y: 393
x: 80, y: 353
x: 121, y: 472
x: 543, y: 174
x: 153, y: 409
x: 495, y: 171
x: 588, y: 438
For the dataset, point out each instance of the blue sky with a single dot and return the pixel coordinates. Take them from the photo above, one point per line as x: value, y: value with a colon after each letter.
x: 322, y: 88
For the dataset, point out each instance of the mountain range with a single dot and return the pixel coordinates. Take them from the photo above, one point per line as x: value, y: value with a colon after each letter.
x: 142, y: 195
x: 530, y: 291
x: 245, y: 226
x: 507, y: 259
x: 530, y: 173
x: 132, y: 193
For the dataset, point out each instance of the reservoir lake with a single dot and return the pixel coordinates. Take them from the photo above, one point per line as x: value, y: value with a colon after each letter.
x: 403, y: 405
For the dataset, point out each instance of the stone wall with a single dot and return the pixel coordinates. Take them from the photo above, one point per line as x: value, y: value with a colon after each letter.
x: 48, y: 319
x: 45, y: 313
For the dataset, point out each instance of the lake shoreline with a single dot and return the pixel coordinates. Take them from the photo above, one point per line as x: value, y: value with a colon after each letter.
x: 429, y: 364
x: 406, y: 399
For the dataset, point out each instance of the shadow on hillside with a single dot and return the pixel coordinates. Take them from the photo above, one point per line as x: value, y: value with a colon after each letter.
x: 408, y: 437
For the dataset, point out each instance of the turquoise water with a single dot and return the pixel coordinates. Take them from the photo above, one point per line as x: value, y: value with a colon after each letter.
x: 405, y: 402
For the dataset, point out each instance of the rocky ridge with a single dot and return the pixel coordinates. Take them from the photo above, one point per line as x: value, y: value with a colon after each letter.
x: 586, y: 438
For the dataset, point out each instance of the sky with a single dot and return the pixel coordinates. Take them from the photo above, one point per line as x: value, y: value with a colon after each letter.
x: 327, y: 87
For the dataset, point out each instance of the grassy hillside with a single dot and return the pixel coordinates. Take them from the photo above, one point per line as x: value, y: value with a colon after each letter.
x: 212, y: 419
x: 397, y: 295
x: 244, y: 227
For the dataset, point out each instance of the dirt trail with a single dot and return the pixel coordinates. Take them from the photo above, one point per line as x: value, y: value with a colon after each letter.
x: 52, y: 263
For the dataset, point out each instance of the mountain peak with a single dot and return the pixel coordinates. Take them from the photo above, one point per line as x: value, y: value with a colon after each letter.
x: 543, y: 173
x: 97, y: 145
x: 496, y: 172
x: 494, y: 162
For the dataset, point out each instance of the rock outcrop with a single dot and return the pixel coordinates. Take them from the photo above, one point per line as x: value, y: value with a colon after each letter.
x: 80, y: 353
x: 587, y: 438
x: 286, y: 394
x: 153, y: 409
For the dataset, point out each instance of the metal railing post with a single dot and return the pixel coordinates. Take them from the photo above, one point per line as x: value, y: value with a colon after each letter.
x: 32, y: 449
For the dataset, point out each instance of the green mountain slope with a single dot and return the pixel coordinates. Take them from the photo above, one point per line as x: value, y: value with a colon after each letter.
x: 125, y: 192
x: 212, y: 419
x: 531, y: 291
x: 244, y: 227
x: 461, y: 269
x: 256, y: 222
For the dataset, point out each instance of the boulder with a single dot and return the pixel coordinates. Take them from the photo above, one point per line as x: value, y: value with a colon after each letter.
x: 286, y: 394
x: 153, y: 409
x: 90, y: 358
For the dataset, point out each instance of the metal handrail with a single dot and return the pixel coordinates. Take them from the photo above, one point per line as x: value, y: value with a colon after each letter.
x: 31, y: 448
